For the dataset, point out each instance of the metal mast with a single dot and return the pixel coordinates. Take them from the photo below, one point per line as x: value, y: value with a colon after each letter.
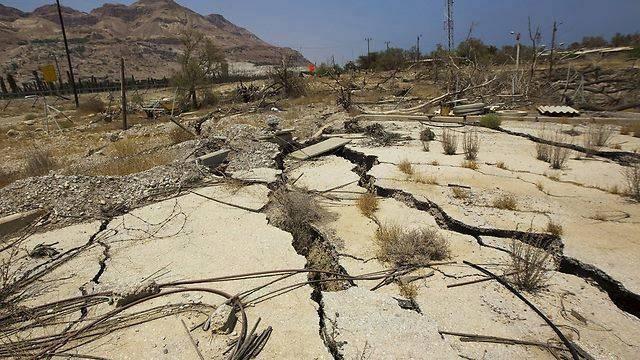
x: 449, y: 23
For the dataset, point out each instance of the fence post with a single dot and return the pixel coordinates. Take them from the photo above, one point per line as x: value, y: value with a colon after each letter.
x: 123, y: 88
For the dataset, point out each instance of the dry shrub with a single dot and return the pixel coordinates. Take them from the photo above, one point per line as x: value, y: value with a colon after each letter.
x: 399, y: 246
x: 38, y: 162
x: 554, y: 228
x: 125, y: 147
x: 435, y: 163
x: 285, y: 78
x: 131, y: 165
x: 368, y: 204
x: 491, y: 121
x: 614, y: 190
x: 505, y: 202
x: 380, y: 135
x: 529, y: 265
x: 209, y: 98
x: 449, y: 142
x: 543, y: 152
x: 425, y: 179
x: 559, y: 156
x: 501, y: 165
x: 598, y: 135
x: 406, y: 167
x: 460, y: 193
x: 408, y: 290
x: 470, y: 164
x: 92, y: 106
x: 616, y: 146
x: 297, y: 211
x: 471, y: 144
x: 632, y: 178
x: 177, y: 135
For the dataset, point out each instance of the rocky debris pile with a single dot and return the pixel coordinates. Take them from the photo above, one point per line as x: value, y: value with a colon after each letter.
x: 78, y: 198
x: 247, y: 151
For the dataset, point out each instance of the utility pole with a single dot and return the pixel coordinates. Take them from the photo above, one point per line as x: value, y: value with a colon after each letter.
x: 123, y: 91
x: 553, y: 46
x: 418, y: 47
x: 66, y: 48
x: 387, y: 43
x: 368, y: 40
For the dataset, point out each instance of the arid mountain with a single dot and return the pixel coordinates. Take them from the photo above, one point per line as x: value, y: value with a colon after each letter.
x: 145, y: 33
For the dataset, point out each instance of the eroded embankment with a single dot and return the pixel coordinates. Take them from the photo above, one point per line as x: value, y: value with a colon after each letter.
x: 619, y: 295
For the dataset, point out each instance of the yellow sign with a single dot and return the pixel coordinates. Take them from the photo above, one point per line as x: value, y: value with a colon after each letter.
x: 49, y: 73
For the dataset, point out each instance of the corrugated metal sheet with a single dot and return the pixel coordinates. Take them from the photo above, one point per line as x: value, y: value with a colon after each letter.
x: 558, y: 111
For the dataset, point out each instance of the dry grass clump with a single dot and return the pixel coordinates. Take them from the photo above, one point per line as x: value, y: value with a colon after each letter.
x: 400, y: 246
x: 505, y: 202
x: 406, y: 167
x: 131, y: 165
x: 92, y: 106
x: 631, y: 129
x: 381, y: 136
x: 297, y: 212
x: 529, y: 265
x: 554, y: 228
x: 30, y: 116
x: 125, y: 147
x: 38, y: 162
x: 598, y: 135
x: 408, y: 291
x: 425, y: 179
x: 540, y: 185
x: 471, y: 144
x: 177, y: 135
x: 449, y: 142
x: 501, y: 165
x: 470, y: 164
x: 460, y: 193
x: 557, y: 156
x: 435, y: 163
x: 632, y: 178
x: 368, y: 204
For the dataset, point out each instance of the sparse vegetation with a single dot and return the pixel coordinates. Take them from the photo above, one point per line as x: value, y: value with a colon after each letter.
x: 297, y: 211
x: 290, y: 84
x: 406, y: 167
x: 408, y: 291
x: 177, y: 135
x: 424, y: 179
x: 470, y: 164
x: 559, y: 156
x: 529, y: 265
x: 598, y: 135
x: 125, y: 147
x: 471, y: 144
x: 632, y: 177
x: 380, y: 135
x: 501, y: 165
x: 130, y: 165
x: 554, y: 228
x: 491, y: 121
x: 449, y: 142
x: 505, y: 202
x: 400, y: 246
x: 435, y: 163
x: 368, y: 204
x: 540, y: 185
x: 30, y: 116
x: 92, y: 106
x: 460, y: 193
x: 38, y: 162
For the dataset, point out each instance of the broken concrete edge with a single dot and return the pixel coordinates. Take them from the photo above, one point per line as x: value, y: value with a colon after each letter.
x: 319, y: 148
x: 620, y: 296
x: 16, y: 222
x: 213, y: 159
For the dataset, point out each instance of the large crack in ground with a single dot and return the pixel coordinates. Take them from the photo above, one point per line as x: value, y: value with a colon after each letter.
x: 624, y: 299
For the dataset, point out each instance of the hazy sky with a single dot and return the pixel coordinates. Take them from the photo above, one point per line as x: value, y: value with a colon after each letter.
x: 338, y: 27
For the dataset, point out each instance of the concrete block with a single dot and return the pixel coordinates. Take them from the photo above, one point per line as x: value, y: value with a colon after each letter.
x: 13, y: 223
x: 214, y: 159
x: 319, y: 148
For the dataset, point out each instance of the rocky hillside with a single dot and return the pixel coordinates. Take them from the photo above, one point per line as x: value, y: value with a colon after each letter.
x: 145, y: 33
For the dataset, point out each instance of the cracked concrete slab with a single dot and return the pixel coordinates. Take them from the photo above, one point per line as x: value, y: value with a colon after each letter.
x: 371, y: 324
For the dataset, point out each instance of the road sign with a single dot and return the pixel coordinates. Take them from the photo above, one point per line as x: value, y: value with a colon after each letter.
x: 49, y: 73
